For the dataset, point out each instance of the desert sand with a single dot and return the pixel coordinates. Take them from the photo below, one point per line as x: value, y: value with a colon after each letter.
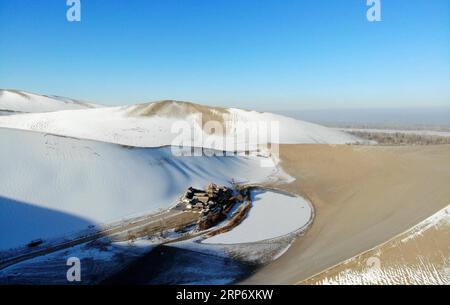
x: 363, y: 196
x: 419, y: 256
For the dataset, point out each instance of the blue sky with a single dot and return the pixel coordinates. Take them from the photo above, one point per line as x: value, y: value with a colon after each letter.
x: 260, y: 54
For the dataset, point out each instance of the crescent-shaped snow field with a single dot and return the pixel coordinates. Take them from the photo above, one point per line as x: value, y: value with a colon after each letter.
x: 273, y: 214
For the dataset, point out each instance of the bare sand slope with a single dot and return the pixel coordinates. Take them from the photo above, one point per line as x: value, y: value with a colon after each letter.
x: 419, y: 256
x: 363, y: 196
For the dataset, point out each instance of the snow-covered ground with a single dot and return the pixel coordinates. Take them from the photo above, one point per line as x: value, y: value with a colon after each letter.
x: 272, y: 215
x: 156, y: 124
x: 14, y: 101
x: 52, y: 185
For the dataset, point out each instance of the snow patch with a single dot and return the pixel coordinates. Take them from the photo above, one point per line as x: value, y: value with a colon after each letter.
x: 272, y: 215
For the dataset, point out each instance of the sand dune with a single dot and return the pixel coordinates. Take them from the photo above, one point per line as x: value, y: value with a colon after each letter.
x: 363, y: 196
x: 420, y: 256
x: 16, y: 101
x: 154, y: 125
x: 177, y: 109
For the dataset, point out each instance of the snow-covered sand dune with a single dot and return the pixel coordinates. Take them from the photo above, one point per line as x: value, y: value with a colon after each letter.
x: 154, y: 124
x: 52, y: 185
x: 419, y: 256
x: 15, y: 101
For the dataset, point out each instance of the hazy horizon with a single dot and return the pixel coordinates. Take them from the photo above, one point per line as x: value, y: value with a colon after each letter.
x: 437, y: 116
x: 387, y: 117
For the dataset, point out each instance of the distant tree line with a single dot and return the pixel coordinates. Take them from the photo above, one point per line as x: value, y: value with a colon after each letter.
x: 400, y: 138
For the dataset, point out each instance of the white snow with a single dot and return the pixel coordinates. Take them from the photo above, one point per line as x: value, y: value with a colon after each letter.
x: 20, y: 101
x: 272, y: 215
x: 51, y: 185
x: 119, y: 125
